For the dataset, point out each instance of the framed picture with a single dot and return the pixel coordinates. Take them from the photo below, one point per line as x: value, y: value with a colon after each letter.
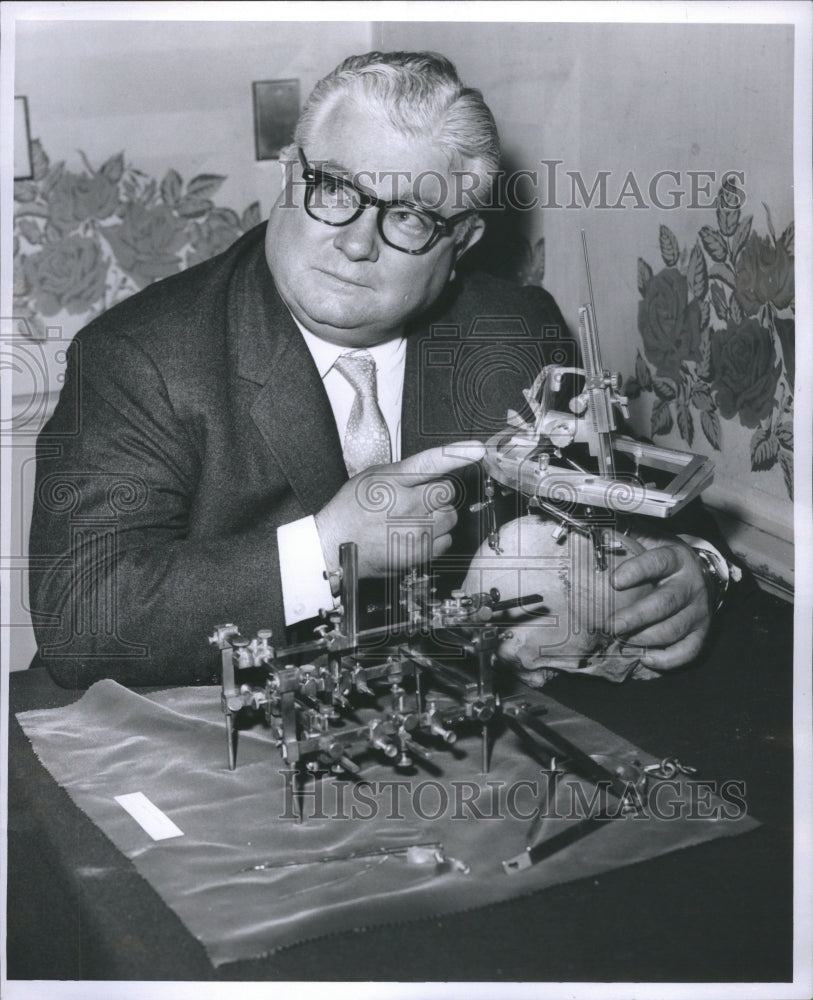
x: 276, y: 109
x: 23, y: 166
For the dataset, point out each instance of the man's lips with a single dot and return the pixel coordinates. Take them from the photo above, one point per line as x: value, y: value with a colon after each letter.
x: 342, y: 278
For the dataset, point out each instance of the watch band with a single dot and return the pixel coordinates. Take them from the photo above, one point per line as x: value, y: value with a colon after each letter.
x: 715, y: 583
x: 717, y: 571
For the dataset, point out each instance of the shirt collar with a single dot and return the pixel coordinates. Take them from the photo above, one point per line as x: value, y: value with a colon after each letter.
x: 386, y: 356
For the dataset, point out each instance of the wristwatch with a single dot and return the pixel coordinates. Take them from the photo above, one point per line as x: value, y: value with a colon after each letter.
x: 717, y: 571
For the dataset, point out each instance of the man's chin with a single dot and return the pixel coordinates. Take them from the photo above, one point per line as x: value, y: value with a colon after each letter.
x: 344, y: 323
x: 342, y: 329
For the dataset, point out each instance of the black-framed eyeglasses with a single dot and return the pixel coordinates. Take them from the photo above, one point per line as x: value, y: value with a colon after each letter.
x: 402, y: 225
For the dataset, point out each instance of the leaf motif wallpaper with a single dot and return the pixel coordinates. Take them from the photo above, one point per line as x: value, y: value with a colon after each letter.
x: 717, y: 324
x: 84, y: 240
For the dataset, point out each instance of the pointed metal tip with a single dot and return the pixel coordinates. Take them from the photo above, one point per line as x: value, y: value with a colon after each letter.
x: 517, y: 864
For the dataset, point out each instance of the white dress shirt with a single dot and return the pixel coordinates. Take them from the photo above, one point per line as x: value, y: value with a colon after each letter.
x: 304, y: 590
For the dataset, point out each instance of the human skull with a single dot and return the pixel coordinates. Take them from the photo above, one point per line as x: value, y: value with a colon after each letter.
x: 567, y: 630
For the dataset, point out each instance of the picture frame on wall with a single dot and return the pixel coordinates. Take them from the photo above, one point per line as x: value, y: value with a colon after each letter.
x: 276, y: 110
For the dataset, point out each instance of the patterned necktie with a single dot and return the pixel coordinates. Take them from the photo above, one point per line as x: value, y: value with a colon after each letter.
x: 366, y: 440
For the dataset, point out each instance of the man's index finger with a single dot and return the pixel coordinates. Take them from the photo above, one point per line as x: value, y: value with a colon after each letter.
x: 434, y: 462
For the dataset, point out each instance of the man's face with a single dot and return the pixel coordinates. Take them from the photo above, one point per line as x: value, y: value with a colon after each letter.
x: 345, y: 284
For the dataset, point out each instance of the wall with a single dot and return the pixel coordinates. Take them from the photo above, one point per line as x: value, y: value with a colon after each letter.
x: 637, y: 99
x: 169, y: 96
x: 167, y: 92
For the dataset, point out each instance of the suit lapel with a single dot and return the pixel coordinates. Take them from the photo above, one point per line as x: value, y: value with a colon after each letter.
x: 291, y: 410
x: 410, y: 417
x: 428, y: 407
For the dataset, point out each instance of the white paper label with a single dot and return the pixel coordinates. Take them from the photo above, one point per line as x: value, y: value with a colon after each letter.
x: 148, y: 816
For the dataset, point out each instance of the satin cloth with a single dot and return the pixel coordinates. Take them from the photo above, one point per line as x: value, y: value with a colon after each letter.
x: 171, y: 746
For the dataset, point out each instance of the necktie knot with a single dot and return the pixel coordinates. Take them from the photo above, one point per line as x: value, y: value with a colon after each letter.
x: 359, y: 370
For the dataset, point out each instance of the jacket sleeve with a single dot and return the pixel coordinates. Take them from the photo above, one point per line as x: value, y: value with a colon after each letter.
x: 119, y: 585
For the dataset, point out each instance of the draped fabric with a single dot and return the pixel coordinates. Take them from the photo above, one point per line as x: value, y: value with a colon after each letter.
x: 171, y: 747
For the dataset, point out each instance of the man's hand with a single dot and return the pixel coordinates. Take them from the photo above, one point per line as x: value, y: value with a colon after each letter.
x: 673, y: 620
x: 411, y: 496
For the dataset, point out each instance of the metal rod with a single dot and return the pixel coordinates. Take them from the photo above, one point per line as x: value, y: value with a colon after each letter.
x: 533, y: 855
x: 532, y: 747
x: 571, y: 756
x: 523, y: 601
x: 484, y: 745
x: 230, y: 740
x: 366, y: 852
x: 349, y: 562
x: 600, y: 405
x: 589, y: 279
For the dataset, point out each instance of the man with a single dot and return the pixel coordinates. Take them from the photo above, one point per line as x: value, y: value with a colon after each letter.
x: 212, y: 444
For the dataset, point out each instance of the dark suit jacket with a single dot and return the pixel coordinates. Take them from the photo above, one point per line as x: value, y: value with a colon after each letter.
x: 193, y: 423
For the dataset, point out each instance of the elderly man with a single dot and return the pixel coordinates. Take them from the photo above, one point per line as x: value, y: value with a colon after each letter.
x: 208, y: 452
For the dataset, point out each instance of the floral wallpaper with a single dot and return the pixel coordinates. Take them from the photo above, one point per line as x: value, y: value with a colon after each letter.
x: 717, y: 321
x: 717, y: 324
x: 85, y: 240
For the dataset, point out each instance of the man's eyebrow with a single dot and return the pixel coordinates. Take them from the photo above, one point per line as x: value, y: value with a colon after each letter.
x: 359, y: 177
x: 333, y: 167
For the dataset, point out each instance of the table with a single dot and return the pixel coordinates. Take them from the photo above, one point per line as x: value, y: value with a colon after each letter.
x: 718, y: 912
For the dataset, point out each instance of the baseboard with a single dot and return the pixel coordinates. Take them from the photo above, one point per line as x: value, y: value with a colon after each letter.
x: 769, y: 556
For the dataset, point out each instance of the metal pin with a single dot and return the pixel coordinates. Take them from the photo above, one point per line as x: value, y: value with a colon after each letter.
x: 230, y: 740
x: 371, y: 852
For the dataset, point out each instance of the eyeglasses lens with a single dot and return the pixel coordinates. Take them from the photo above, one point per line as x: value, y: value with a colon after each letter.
x: 335, y: 202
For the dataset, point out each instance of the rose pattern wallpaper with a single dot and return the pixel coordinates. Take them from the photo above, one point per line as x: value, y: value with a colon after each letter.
x: 717, y: 324
x: 85, y: 240
x: 717, y: 321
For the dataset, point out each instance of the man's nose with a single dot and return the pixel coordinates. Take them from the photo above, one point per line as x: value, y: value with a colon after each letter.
x: 359, y: 239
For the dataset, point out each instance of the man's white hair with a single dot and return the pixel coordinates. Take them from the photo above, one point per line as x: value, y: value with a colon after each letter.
x: 419, y: 94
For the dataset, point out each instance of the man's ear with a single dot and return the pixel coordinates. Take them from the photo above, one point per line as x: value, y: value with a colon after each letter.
x: 288, y: 158
x: 474, y: 235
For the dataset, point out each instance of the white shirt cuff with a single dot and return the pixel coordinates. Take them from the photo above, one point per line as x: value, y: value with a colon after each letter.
x: 305, y: 591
